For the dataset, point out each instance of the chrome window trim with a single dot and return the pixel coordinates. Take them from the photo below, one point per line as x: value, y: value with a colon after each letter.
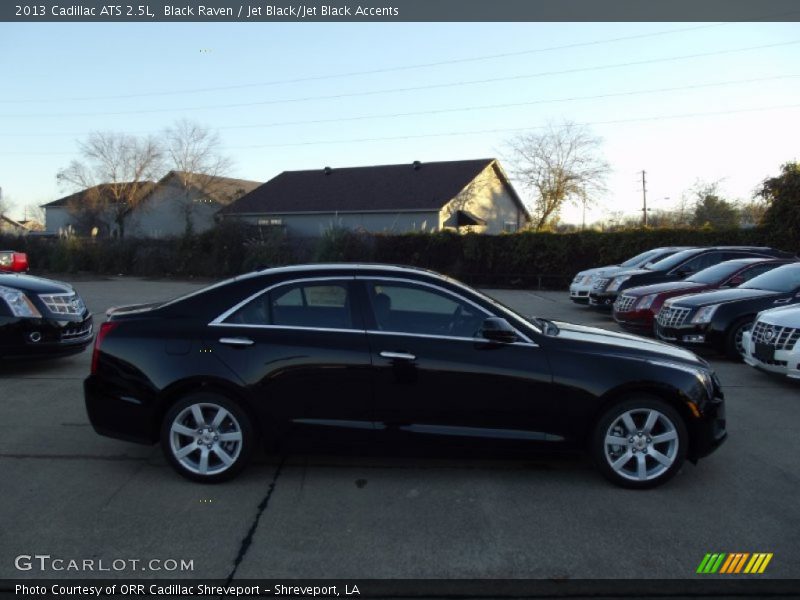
x: 449, y: 337
x: 290, y: 327
x: 446, y: 291
x: 219, y: 320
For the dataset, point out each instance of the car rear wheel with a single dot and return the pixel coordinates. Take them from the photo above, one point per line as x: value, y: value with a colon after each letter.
x: 206, y: 437
x: 734, y: 339
x: 640, y: 442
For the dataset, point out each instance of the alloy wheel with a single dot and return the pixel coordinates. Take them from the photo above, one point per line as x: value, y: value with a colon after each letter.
x: 205, y: 438
x: 641, y: 444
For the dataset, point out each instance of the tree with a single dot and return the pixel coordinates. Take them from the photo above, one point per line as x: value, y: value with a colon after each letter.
x: 559, y: 165
x: 782, y: 216
x: 115, y: 175
x: 711, y: 210
x: 751, y: 213
x: 193, y: 152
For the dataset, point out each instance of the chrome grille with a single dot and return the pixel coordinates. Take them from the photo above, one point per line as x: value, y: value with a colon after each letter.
x: 672, y: 316
x: 77, y: 331
x: 783, y: 338
x: 601, y: 283
x: 63, y: 304
x: 624, y: 303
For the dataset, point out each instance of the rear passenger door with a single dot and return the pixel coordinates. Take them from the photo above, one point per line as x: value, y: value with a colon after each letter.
x: 301, y: 348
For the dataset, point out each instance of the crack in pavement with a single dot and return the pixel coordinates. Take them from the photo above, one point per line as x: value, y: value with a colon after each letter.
x: 248, y: 538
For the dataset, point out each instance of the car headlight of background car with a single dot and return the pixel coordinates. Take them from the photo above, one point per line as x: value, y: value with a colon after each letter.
x: 617, y: 281
x: 19, y: 303
x: 705, y: 314
x: 646, y: 302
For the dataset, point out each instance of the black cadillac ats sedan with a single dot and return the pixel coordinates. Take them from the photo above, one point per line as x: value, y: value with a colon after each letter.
x: 41, y: 318
x: 390, y: 351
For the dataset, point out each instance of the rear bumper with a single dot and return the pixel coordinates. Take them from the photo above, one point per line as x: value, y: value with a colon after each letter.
x: 118, y: 416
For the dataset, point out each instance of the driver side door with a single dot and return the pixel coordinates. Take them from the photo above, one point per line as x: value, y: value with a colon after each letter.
x: 434, y: 374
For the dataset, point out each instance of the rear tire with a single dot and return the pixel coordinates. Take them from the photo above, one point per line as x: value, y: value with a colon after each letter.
x: 206, y: 437
x: 640, y: 442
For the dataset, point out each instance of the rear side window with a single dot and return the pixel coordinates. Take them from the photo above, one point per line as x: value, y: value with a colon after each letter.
x: 313, y: 304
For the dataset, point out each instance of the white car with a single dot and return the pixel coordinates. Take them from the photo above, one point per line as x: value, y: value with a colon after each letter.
x: 773, y: 344
x: 582, y: 283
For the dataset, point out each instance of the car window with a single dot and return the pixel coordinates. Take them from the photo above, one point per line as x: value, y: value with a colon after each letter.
x: 411, y: 308
x: 782, y: 279
x: 311, y: 304
x: 703, y: 261
x: 756, y: 270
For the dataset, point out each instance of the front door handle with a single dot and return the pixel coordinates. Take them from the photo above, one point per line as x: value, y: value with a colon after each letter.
x: 236, y: 341
x: 398, y: 355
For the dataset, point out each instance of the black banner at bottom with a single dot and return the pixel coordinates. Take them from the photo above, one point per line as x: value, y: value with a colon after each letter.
x: 362, y: 589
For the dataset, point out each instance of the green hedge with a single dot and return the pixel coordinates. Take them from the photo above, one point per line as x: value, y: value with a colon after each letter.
x: 519, y: 260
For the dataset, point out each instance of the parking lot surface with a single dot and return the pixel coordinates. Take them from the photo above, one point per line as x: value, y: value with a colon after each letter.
x: 71, y: 494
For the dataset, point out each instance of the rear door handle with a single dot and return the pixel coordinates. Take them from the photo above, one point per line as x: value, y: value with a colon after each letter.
x: 399, y: 355
x: 236, y: 341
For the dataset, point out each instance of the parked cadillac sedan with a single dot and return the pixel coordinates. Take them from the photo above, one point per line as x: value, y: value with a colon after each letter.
x: 635, y: 309
x: 391, y: 351
x: 719, y: 319
x: 41, y: 318
x: 773, y: 344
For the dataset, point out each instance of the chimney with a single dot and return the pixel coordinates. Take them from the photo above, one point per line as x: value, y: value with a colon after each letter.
x: 417, y: 165
x: 328, y: 170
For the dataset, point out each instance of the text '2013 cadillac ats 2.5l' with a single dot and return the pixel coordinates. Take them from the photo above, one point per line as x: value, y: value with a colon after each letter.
x: 390, y: 351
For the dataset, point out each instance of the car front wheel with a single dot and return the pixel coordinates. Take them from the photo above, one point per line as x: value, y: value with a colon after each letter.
x: 640, y: 443
x: 206, y: 437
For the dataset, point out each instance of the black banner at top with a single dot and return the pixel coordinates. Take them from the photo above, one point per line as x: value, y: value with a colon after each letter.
x: 153, y: 11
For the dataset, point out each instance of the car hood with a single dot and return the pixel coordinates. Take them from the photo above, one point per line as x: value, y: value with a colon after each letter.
x: 599, y: 270
x: 34, y: 285
x: 783, y: 316
x: 686, y: 287
x: 722, y: 296
x: 626, y: 344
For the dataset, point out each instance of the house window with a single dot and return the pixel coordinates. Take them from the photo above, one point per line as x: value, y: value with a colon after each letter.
x: 509, y: 227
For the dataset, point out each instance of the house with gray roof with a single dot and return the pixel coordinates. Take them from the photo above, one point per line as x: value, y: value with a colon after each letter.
x: 179, y: 202
x: 460, y: 195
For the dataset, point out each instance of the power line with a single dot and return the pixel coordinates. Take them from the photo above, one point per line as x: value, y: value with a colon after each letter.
x: 464, y: 108
x: 415, y: 88
x: 374, y: 71
x: 655, y: 118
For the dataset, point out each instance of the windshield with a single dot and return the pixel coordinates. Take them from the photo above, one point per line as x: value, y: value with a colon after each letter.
x: 717, y: 272
x: 782, y: 279
x: 639, y: 259
x: 665, y: 264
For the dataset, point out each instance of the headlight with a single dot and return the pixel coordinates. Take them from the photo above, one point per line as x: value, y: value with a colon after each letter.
x: 704, y: 376
x: 617, y: 281
x: 19, y: 303
x: 704, y: 314
x: 646, y: 302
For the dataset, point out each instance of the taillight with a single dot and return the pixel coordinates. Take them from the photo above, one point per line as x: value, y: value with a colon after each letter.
x: 104, y: 330
x: 19, y: 262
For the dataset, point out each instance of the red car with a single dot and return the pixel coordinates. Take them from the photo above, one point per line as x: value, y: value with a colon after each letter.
x: 13, y: 262
x: 635, y: 309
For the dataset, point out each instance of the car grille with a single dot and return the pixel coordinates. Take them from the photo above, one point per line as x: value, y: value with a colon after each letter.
x: 63, y: 304
x: 783, y: 338
x: 76, y: 332
x: 672, y: 316
x: 624, y: 303
x: 601, y: 283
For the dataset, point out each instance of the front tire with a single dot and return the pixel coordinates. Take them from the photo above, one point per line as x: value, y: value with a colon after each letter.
x: 640, y: 443
x: 734, y: 347
x: 206, y: 437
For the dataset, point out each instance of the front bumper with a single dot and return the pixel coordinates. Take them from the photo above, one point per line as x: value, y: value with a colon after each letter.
x: 782, y: 362
x: 638, y: 321
x: 602, y: 299
x: 695, y: 336
x: 710, y: 432
x: 31, y: 338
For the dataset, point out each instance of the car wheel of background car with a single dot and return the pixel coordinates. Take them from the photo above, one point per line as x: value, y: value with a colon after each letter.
x: 640, y: 442
x: 206, y: 437
x: 734, y: 347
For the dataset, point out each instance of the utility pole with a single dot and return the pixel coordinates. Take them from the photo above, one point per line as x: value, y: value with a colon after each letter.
x: 644, y: 198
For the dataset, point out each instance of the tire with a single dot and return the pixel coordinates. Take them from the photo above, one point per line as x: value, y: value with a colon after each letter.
x: 733, y: 338
x: 654, y: 419
x: 207, y: 424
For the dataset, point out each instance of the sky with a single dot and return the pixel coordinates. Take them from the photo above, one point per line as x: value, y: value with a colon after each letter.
x: 682, y: 101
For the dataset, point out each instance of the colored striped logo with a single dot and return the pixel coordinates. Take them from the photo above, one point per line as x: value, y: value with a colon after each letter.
x: 735, y: 562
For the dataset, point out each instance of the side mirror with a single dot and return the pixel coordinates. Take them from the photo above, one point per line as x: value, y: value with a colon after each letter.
x: 499, y: 330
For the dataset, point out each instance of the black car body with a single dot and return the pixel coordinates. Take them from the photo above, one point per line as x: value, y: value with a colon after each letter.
x: 718, y: 319
x: 674, y: 268
x: 387, y: 350
x: 41, y: 317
